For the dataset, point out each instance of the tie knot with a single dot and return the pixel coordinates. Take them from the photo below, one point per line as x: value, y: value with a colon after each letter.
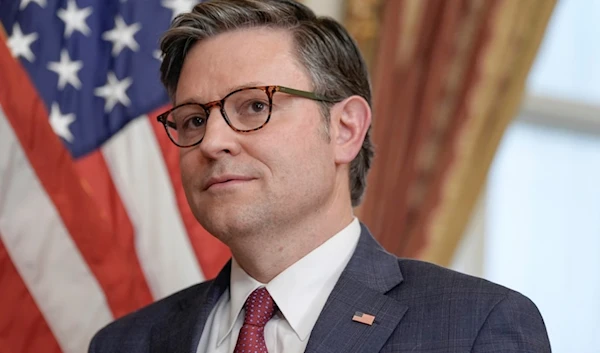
x: 260, y: 308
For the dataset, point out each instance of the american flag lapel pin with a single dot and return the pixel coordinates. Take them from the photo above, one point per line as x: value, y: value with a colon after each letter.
x: 363, y: 318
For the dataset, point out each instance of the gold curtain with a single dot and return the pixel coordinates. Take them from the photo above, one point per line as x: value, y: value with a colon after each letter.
x: 448, y: 79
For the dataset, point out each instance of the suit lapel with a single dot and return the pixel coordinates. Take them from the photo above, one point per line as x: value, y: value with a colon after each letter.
x: 181, y: 331
x: 369, y: 275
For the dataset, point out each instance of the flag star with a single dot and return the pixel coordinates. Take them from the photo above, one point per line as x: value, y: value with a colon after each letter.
x: 67, y: 70
x: 157, y: 54
x: 74, y: 18
x: 122, y: 36
x: 20, y: 44
x: 114, y: 91
x: 60, y: 123
x: 179, y: 6
x: 24, y: 3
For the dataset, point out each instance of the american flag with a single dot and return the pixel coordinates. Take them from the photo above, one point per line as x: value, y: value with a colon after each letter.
x: 93, y: 219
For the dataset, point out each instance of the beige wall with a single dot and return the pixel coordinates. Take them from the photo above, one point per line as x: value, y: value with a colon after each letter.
x: 332, y: 8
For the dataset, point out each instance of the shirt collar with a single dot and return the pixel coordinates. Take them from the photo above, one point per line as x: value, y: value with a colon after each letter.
x: 301, y: 290
x: 240, y: 287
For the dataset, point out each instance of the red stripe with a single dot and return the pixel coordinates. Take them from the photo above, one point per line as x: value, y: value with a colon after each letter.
x: 210, y: 252
x: 114, y: 265
x: 22, y: 326
x: 97, y: 181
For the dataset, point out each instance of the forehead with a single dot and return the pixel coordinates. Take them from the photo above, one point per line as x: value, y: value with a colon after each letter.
x: 240, y: 58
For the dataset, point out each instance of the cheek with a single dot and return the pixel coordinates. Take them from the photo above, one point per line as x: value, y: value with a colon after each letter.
x: 188, y: 165
x: 288, y: 147
x: 299, y: 153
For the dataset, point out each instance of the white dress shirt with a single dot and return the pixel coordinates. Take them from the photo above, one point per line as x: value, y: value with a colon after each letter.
x: 300, y: 292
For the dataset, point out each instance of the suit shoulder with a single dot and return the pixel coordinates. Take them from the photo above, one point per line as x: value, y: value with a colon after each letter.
x: 452, y: 299
x: 424, y: 281
x: 137, y: 325
x: 429, y: 277
x: 518, y: 315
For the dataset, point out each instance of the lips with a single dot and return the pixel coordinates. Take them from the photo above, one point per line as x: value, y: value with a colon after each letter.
x: 222, y: 179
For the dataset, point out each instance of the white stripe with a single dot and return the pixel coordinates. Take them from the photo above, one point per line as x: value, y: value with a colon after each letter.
x: 141, y: 178
x: 55, y: 273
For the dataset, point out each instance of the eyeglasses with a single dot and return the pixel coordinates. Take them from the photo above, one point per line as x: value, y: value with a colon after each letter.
x: 244, y: 110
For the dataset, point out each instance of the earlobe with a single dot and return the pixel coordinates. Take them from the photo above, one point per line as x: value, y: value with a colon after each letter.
x: 352, y: 120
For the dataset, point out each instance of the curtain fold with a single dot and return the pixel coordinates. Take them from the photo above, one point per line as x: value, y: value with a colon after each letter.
x: 448, y: 78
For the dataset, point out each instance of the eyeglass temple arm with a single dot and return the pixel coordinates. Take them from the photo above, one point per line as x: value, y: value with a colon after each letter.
x: 305, y: 94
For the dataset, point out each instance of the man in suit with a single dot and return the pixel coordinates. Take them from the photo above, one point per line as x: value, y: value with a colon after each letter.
x: 272, y: 111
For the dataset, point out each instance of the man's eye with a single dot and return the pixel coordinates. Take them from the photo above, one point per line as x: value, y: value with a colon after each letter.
x: 257, y: 106
x: 193, y: 122
x: 252, y: 107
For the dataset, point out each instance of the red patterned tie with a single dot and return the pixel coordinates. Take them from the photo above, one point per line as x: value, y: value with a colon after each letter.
x: 260, y: 308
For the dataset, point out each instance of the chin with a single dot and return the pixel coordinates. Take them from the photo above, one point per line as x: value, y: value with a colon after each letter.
x: 227, y: 223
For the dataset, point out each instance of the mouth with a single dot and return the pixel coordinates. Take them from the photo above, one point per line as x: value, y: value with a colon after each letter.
x: 226, y: 182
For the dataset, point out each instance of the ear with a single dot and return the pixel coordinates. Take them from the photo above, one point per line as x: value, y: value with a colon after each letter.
x: 350, y: 120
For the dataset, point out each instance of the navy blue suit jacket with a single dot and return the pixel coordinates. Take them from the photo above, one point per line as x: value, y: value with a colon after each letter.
x: 418, y: 307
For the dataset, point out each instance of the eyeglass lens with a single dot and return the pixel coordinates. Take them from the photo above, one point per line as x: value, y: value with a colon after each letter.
x: 245, y: 110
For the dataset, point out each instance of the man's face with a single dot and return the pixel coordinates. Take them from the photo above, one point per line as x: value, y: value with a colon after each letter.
x: 268, y: 179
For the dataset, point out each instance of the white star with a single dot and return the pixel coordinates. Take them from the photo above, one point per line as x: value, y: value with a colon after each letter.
x: 19, y: 44
x: 179, y: 6
x: 24, y: 3
x: 114, y: 92
x: 60, y: 123
x: 74, y: 18
x: 67, y: 70
x: 157, y: 54
x: 122, y: 36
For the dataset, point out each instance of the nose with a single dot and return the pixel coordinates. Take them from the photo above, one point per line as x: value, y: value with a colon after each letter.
x: 219, y: 139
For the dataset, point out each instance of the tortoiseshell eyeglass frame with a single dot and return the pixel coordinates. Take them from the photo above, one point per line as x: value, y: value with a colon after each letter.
x: 269, y: 90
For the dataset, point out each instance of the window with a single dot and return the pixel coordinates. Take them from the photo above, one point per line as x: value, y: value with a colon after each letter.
x: 537, y: 229
x: 543, y: 229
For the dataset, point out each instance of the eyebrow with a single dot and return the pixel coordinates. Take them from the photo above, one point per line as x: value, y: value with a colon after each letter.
x: 231, y: 89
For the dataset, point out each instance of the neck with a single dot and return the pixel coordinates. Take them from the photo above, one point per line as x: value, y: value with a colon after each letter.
x: 265, y: 255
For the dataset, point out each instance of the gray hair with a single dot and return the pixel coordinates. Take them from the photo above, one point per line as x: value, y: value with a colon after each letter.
x: 323, y: 46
